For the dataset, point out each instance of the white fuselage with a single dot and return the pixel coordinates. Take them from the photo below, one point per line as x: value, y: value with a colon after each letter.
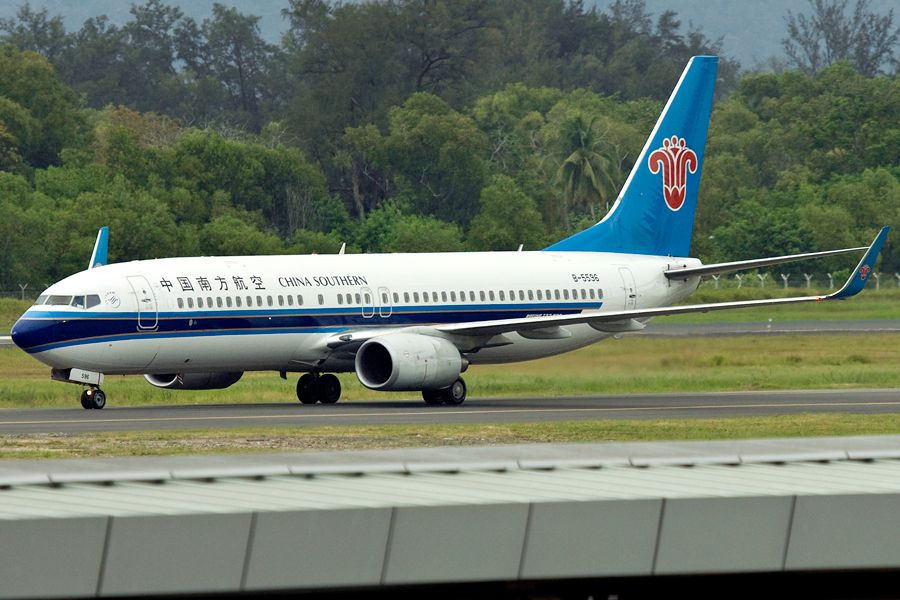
x: 276, y: 312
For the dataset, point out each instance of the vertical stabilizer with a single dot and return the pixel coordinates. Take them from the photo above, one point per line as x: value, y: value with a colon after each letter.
x: 654, y: 212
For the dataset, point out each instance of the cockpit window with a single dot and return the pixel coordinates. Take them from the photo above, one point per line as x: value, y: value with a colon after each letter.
x: 59, y: 300
x: 78, y: 301
x: 40, y: 300
x: 92, y: 301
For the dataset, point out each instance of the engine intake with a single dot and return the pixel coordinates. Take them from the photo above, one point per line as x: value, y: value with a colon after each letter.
x: 408, y: 361
x: 194, y: 381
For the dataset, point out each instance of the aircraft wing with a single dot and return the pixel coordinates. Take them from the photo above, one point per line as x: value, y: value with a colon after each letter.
x: 625, y: 320
x: 612, y: 321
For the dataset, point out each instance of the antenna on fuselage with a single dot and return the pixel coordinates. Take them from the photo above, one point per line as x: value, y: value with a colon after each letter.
x: 98, y: 256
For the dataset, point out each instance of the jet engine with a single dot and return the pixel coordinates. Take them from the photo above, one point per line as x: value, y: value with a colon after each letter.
x: 194, y: 381
x: 408, y: 361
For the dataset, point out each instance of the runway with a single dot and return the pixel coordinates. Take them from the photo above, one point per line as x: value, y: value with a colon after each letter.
x: 475, y: 410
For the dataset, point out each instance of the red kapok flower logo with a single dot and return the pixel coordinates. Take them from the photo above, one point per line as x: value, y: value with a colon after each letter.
x: 864, y: 272
x: 674, y: 159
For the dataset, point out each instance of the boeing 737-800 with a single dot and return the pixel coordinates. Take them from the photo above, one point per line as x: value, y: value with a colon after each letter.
x: 402, y: 321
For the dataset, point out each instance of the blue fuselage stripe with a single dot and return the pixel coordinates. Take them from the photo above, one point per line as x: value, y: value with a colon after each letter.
x: 38, y: 331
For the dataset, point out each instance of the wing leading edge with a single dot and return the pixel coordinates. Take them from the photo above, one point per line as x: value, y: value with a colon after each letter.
x: 623, y: 320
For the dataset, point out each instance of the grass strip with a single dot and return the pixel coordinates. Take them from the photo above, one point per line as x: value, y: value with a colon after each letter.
x: 288, y: 438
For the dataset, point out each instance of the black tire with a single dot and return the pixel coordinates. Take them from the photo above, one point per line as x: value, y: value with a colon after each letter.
x: 432, y: 397
x: 93, y: 398
x: 455, y: 394
x: 329, y: 389
x: 308, y: 389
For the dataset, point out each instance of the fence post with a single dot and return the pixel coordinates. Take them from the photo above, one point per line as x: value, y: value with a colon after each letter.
x: 762, y: 279
x: 716, y: 279
x: 22, y: 287
x: 808, y: 278
x: 785, y: 278
x: 897, y: 275
x: 740, y: 279
x: 830, y: 281
x: 877, y: 280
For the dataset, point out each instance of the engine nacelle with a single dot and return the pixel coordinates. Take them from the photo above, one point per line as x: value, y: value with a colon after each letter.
x: 194, y: 381
x: 407, y: 361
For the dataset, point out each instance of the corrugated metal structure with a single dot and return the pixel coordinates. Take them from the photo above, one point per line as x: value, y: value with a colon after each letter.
x: 373, y: 520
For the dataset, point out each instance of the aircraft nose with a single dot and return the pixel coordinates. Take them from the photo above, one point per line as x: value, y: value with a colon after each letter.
x: 28, y: 333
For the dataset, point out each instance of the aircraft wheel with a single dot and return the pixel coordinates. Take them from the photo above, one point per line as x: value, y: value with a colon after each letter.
x: 329, y: 389
x: 455, y: 394
x: 308, y: 389
x: 93, y: 398
x: 432, y: 397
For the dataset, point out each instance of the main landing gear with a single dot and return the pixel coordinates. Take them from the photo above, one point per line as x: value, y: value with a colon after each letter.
x: 312, y: 388
x: 93, y: 397
x: 453, y: 395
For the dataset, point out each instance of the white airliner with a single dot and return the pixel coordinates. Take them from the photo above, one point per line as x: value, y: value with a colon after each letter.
x: 401, y: 321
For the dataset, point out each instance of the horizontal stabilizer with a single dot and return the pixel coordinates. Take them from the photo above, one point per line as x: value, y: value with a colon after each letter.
x: 743, y: 265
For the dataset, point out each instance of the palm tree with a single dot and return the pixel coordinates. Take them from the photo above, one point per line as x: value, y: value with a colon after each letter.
x: 589, y: 173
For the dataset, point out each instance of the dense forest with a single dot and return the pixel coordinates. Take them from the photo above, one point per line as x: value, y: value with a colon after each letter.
x: 411, y: 125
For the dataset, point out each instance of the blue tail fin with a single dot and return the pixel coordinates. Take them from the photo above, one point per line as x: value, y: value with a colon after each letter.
x: 654, y: 212
x: 98, y: 256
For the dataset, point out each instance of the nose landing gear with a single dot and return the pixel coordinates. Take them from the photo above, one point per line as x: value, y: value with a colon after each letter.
x: 93, y: 397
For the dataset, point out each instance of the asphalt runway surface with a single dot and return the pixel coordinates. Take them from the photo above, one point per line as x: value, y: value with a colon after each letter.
x: 475, y: 410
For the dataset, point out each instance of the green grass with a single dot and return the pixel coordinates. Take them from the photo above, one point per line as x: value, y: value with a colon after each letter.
x: 10, y: 311
x: 405, y: 436
x: 631, y: 364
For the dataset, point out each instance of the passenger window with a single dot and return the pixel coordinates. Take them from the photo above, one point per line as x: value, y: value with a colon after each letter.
x: 434, y: 297
x: 556, y: 294
x: 481, y: 295
x: 228, y: 301
x: 452, y: 296
x: 547, y: 294
x: 199, y: 302
x: 269, y: 300
x: 180, y: 303
x: 237, y: 301
x: 406, y: 297
x: 299, y: 300
x: 599, y: 294
x: 583, y: 294
x: 358, y: 299
x: 574, y: 294
x: 424, y: 296
x: 591, y: 293
x: 491, y: 295
x: 219, y: 301
x: 290, y: 300
x: 321, y: 299
x: 396, y: 298
x: 539, y: 297
x: 349, y: 299
x: 565, y: 294
x: 521, y: 295
x: 443, y: 296
x: 280, y: 300
x: 384, y: 298
x: 209, y: 302
x: 249, y: 301
x: 530, y: 295
x: 502, y: 298
x: 471, y: 296
x: 259, y: 301
x: 416, y: 296
x: 340, y: 299
x: 190, y: 302
x: 92, y: 301
x: 368, y: 299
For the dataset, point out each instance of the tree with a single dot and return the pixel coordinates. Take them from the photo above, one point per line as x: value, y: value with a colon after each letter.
x: 589, y: 173
x: 36, y: 31
x: 829, y: 34
x: 508, y: 217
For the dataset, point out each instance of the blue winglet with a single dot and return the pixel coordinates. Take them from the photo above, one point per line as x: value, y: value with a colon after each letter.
x: 860, y: 275
x: 98, y: 256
